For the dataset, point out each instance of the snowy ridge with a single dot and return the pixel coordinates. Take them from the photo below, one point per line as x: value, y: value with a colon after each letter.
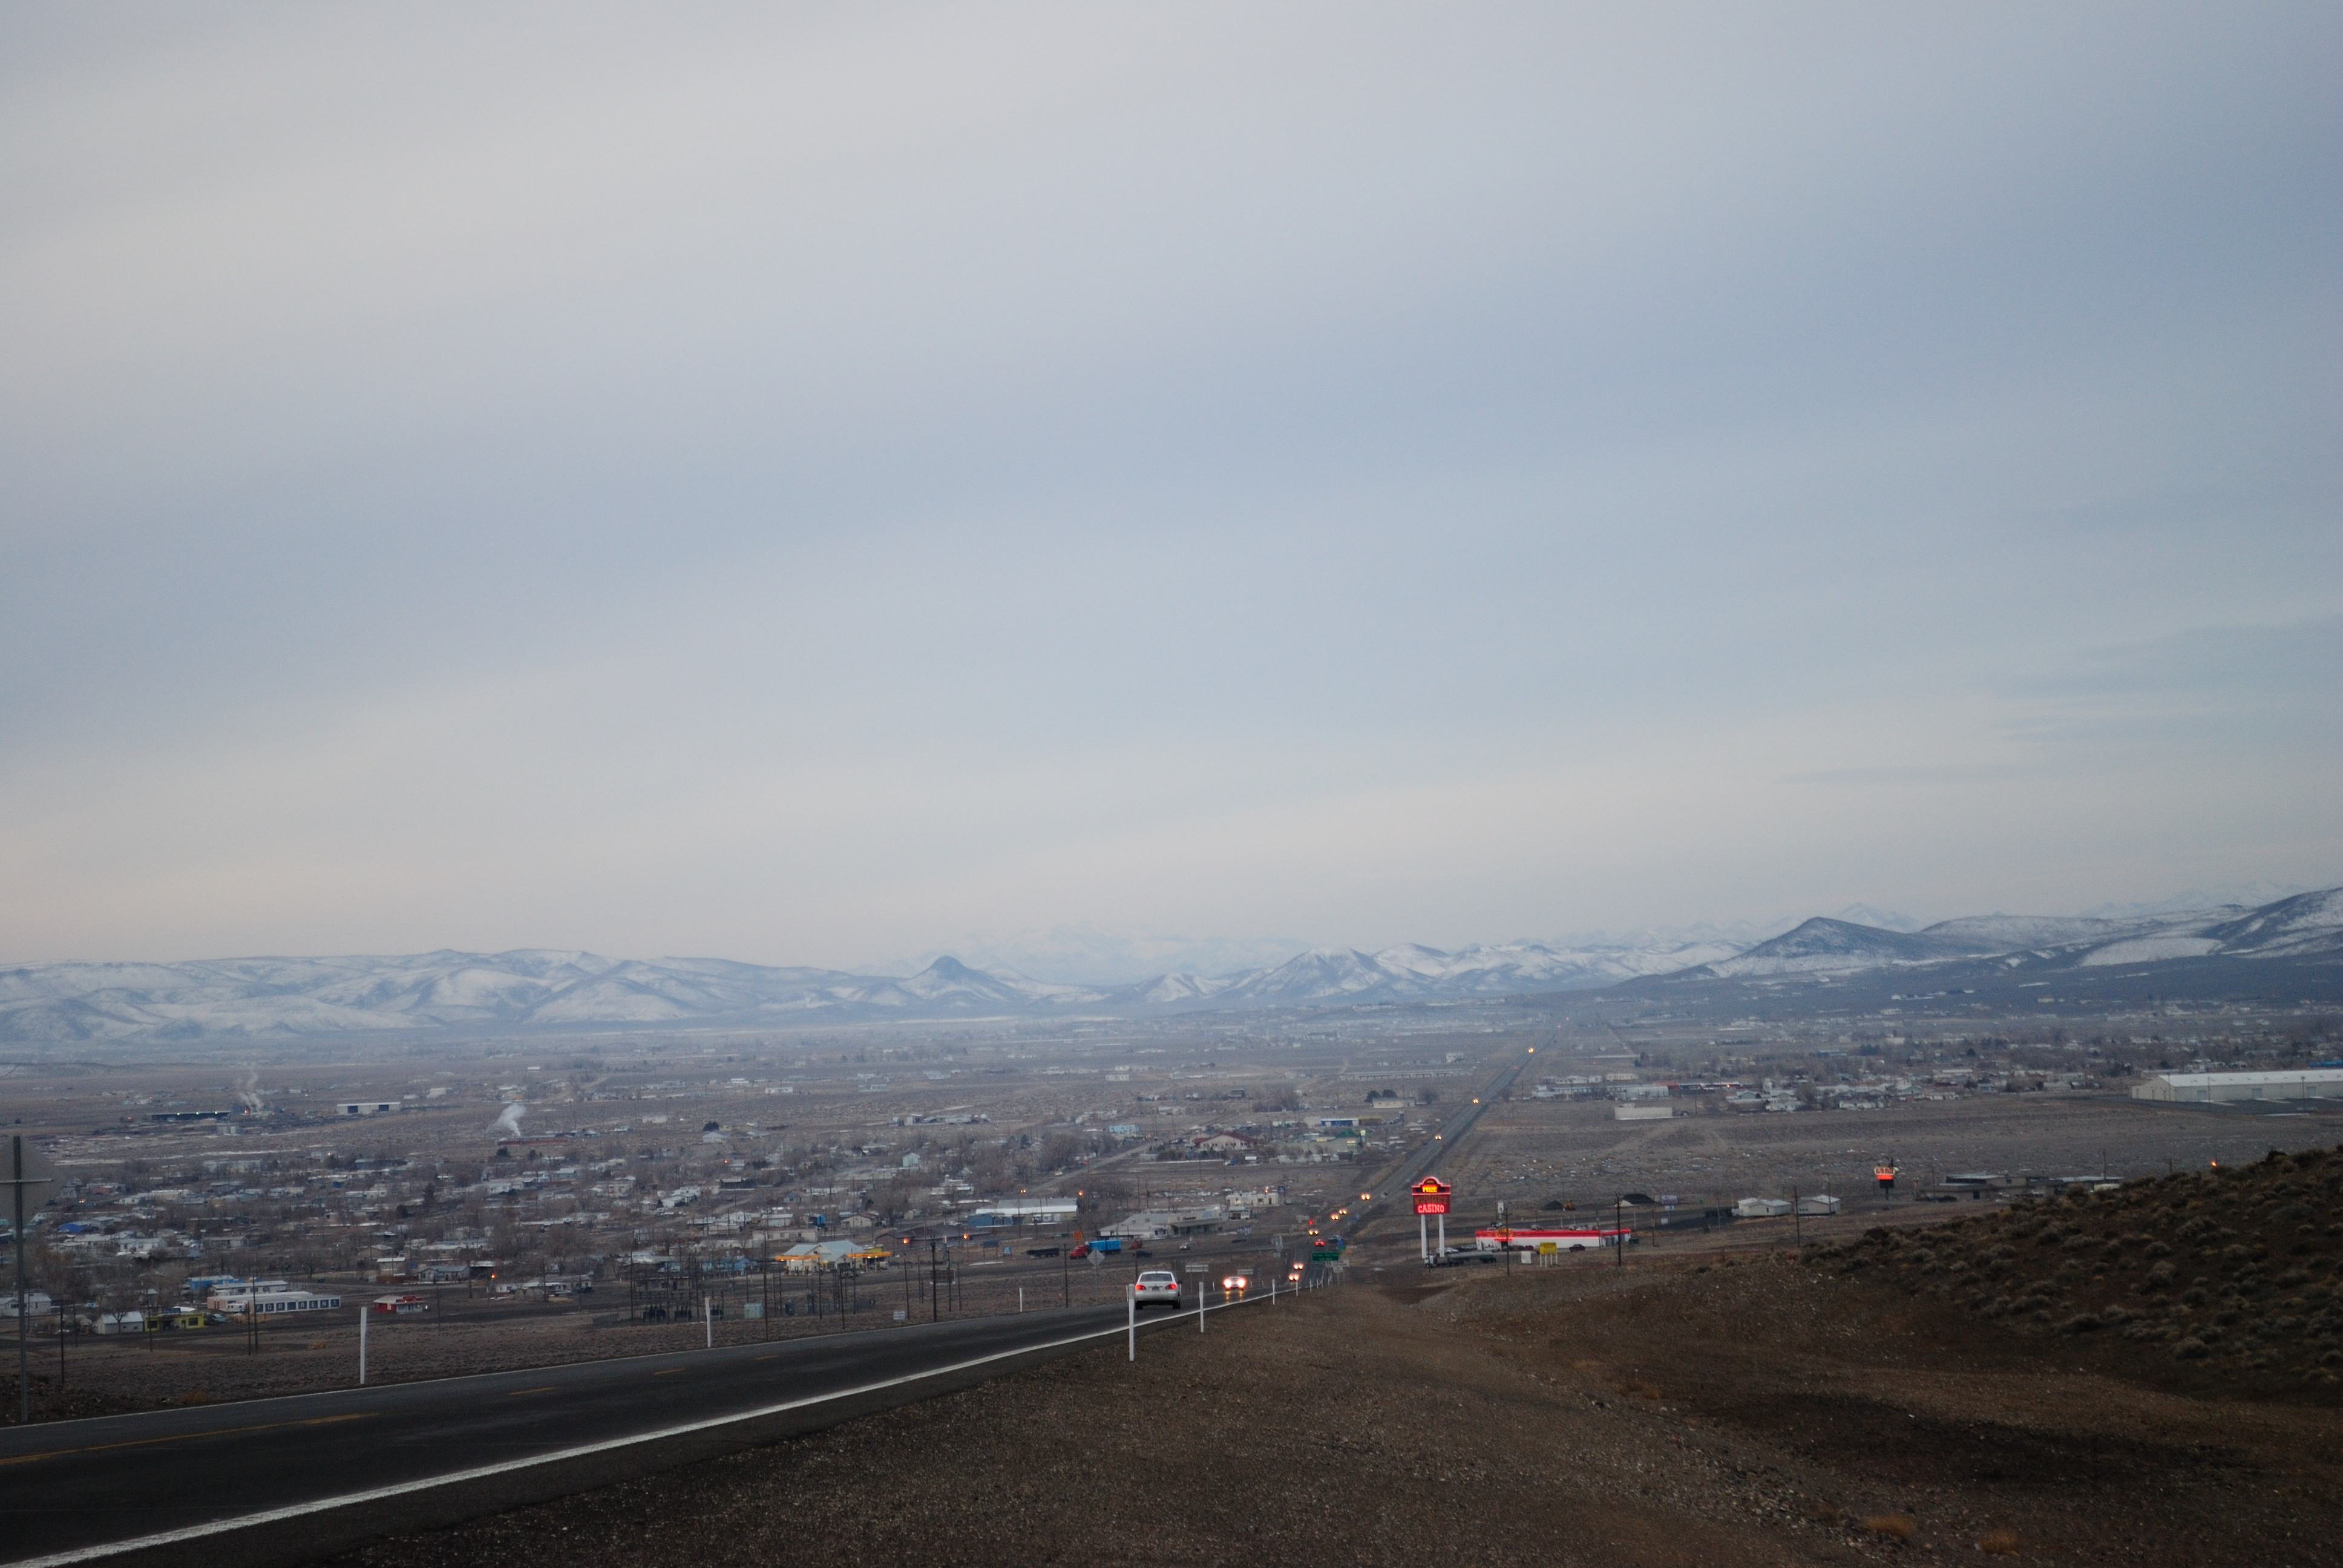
x: 445, y: 991
x: 536, y: 988
x: 540, y: 989
x: 2305, y: 926
x: 1410, y: 972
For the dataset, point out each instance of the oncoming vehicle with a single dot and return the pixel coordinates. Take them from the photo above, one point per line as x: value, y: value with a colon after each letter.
x: 1156, y: 1287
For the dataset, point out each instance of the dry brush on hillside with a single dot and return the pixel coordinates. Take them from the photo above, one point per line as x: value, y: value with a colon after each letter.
x: 2233, y: 1269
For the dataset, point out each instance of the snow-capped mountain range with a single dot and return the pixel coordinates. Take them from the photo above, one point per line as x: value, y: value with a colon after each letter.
x: 536, y: 988
x: 2305, y: 926
x: 539, y: 989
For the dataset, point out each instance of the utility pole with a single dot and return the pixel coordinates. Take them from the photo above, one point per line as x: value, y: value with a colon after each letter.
x: 23, y: 1173
x: 364, y: 1313
x: 16, y: 1192
x: 1619, y: 1230
x: 935, y: 1307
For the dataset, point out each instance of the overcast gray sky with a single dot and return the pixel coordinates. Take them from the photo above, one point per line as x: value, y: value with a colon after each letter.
x: 815, y: 485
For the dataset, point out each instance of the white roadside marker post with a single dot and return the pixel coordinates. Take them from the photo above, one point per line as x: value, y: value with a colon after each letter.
x: 364, y: 1312
x: 1130, y: 1304
x: 708, y: 1319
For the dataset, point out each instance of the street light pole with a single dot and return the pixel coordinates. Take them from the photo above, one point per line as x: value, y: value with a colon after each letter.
x: 16, y: 1190
x: 20, y: 1177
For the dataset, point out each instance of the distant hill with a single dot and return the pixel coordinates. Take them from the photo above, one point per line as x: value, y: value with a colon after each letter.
x: 555, y: 990
x: 564, y: 989
x: 2307, y: 925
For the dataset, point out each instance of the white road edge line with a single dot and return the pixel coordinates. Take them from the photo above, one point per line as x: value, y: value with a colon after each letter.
x: 294, y: 1510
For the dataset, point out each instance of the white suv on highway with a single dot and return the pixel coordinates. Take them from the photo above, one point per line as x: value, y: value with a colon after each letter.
x: 1157, y: 1287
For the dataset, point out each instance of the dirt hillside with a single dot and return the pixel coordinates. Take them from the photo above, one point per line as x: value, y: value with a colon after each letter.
x: 1758, y: 1411
x: 2233, y: 1267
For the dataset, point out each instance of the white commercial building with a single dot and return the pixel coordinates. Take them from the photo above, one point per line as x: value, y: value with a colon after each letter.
x: 1023, y: 1212
x: 267, y: 1298
x: 1155, y: 1224
x: 816, y: 1255
x: 1242, y: 1206
x: 2221, y: 1087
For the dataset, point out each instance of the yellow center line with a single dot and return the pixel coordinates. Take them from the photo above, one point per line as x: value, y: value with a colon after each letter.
x: 518, y: 1391
x: 774, y: 1357
x: 185, y: 1437
x: 670, y: 1372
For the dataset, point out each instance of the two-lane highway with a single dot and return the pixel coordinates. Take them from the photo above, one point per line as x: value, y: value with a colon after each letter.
x: 297, y: 1476
x: 1394, y: 1182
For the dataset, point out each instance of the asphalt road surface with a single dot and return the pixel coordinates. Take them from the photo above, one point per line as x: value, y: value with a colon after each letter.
x: 1391, y: 1196
x: 283, y: 1480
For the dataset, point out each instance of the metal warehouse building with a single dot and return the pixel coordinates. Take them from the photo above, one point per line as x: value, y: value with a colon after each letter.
x: 2217, y: 1088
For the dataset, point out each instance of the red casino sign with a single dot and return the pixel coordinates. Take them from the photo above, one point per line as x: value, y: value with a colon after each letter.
x: 1431, y: 1195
